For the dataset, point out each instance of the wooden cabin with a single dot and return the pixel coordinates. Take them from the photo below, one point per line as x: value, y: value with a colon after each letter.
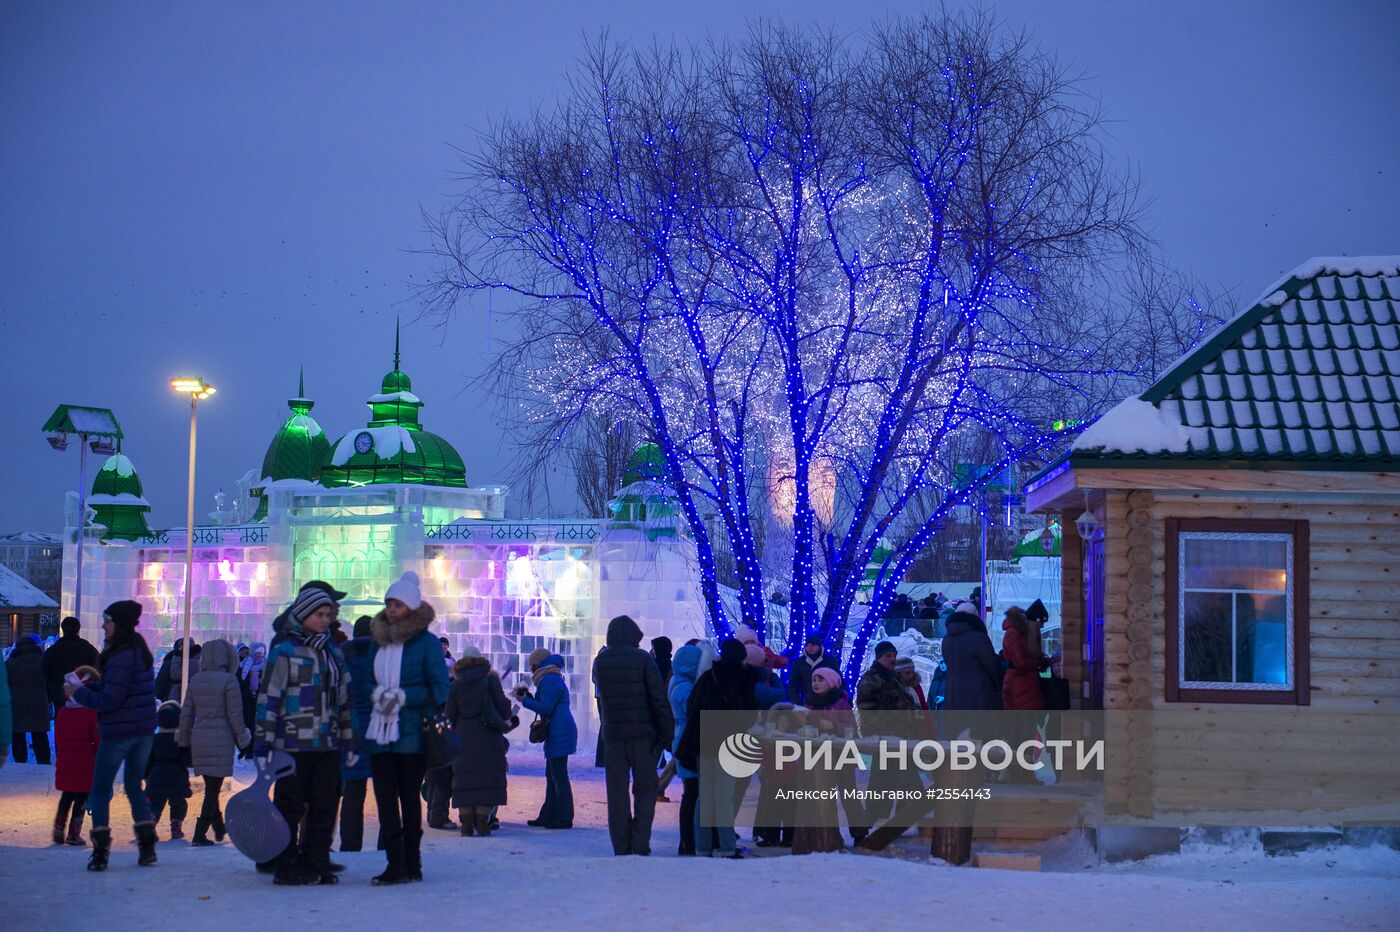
x: 22, y: 607
x: 1236, y: 578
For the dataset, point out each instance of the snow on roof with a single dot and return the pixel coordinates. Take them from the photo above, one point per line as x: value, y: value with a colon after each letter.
x: 122, y: 498
x: 306, y: 422
x: 91, y: 421
x: 1136, y: 426
x: 407, y: 398
x: 16, y: 592
x: 386, y: 442
x: 272, y: 485
x: 1330, y: 265
x: 120, y: 465
x: 29, y: 537
x: 1311, y: 373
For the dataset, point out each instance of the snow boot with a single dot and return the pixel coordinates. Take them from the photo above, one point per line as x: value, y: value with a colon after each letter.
x: 217, y: 822
x: 413, y: 864
x: 468, y: 819
x: 201, y: 834
x: 394, y: 873
x: 146, y: 843
x: 101, y: 845
x: 58, y: 829
x: 177, y: 829
x: 482, y: 822
x: 75, y: 830
x: 294, y: 875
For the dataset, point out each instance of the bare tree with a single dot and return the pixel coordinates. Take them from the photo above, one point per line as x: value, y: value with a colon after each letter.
x: 834, y: 259
x: 598, y: 453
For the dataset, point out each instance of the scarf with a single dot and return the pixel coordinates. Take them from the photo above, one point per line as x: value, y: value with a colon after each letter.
x: 544, y: 671
x: 323, y: 648
x: 384, y: 720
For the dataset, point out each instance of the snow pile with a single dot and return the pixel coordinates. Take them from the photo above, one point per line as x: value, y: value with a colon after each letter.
x: 120, y: 465
x: 386, y: 443
x: 1134, y: 426
x: 405, y: 398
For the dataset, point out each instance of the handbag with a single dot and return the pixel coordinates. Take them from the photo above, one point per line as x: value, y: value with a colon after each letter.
x: 440, y: 744
x: 539, y: 728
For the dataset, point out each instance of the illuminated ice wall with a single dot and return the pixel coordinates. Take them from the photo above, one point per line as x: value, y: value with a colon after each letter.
x: 507, y: 587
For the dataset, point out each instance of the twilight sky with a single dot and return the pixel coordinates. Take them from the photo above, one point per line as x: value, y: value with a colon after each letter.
x: 233, y: 190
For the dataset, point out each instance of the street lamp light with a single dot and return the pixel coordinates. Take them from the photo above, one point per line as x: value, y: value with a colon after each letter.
x: 96, y: 429
x: 197, y: 389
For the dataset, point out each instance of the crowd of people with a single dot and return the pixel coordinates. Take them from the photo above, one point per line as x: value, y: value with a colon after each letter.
x: 374, y: 709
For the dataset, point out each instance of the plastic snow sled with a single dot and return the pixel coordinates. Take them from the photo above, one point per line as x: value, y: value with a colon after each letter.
x: 256, y: 827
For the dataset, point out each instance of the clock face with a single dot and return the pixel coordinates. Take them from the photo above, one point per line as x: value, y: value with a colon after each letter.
x: 364, y: 442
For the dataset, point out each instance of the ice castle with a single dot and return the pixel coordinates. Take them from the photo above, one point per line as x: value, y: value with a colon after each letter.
x: 384, y: 498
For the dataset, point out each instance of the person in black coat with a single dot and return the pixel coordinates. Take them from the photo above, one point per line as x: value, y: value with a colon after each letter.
x: 813, y: 658
x: 481, y: 716
x: 637, y: 726
x: 169, y: 676
x: 29, y: 696
x: 974, y: 670
x: 66, y: 654
x: 661, y: 653
x: 728, y: 686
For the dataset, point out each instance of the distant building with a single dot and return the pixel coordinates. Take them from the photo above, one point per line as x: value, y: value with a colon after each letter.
x: 36, y: 557
x: 23, y: 608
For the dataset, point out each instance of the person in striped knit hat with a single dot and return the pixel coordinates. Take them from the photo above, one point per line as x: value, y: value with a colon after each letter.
x: 304, y: 709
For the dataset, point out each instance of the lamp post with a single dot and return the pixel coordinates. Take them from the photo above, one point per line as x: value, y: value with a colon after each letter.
x: 198, y: 390
x: 96, y: 429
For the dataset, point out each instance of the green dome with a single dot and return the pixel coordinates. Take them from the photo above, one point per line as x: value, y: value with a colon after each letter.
x: 394, y: 448
x: 299, y: 449
x: 646, y: 464
x: 117, y: 500
x: 396, y: 381
x: 393, y: 454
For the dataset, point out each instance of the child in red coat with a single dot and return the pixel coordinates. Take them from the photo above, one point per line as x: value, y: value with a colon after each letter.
x: 75, y: 740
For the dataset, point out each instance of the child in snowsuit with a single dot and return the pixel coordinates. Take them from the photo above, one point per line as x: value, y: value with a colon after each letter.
x: 75, y: 740
x: 168, y: 773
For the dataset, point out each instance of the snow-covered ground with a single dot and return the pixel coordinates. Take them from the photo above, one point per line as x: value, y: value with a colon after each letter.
x: 535, y: 878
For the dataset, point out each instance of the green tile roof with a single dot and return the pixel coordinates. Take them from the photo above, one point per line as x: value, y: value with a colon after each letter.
x: 1308, y: 376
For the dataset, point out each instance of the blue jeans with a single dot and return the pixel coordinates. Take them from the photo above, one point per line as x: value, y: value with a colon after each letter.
x: 112, y: 754
x: 716, y: 810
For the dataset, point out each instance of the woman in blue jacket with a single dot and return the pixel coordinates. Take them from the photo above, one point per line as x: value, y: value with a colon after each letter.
x: 410, y: 683
x: 685, y: 668
x: 125, y: 702
x: 551, y: 701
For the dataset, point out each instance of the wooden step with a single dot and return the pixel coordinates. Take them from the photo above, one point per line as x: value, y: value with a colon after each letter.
x: 1007, y: 860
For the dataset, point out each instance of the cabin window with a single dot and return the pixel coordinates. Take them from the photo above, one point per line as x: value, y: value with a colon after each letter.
x: 1237, y: 611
